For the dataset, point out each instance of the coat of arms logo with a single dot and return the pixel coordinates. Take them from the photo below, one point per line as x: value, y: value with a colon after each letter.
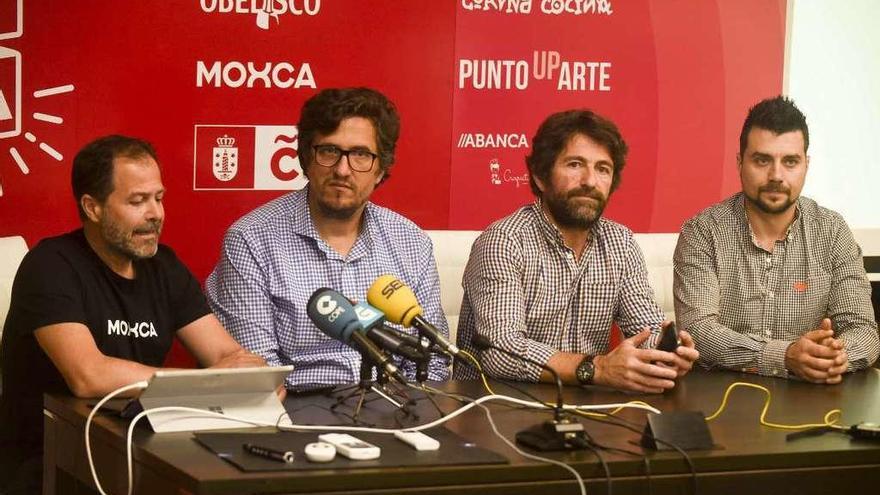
x: 225, y: 158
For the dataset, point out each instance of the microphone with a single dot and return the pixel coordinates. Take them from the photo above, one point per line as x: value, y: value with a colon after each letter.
x: 334, y: 315
x: 482, y: 343
x: 373, y: 326
x: 562, y: 433
x: 397, y: 300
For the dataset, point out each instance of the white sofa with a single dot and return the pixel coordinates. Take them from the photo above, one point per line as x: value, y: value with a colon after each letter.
x: 12, y: 250
x: 452, y: 249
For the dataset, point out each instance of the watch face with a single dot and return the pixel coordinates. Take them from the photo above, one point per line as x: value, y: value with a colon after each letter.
x: 585, y: 371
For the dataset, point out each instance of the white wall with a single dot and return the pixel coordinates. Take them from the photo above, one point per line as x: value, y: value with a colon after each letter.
x: 833, y: 74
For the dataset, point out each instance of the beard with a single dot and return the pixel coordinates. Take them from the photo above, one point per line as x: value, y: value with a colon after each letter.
x: 336, y: 207
x: 766, y: 207
x: 126, y: 242
x: 570, y: 211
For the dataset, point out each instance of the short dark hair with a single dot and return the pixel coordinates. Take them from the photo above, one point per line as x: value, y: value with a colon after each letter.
x: 92, y: 172
x: 322, y: 114
x: 555, y: 132
x: 779, y: 115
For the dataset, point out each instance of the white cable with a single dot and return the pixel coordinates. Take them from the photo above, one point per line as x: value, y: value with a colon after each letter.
x: 385, y: 396
x: 532, y: 456
x: 136, y: 385
x: 294, y: 427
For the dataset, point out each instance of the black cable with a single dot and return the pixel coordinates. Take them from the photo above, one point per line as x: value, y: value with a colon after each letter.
x: 589, y: 445
x: 473, y: 364
x: 687, y: 458
x: 633, y: 453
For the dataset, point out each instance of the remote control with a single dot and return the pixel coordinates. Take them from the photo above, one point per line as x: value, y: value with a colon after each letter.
x: 351, y: 447
x: 320, y: 452
x: 417, y: 440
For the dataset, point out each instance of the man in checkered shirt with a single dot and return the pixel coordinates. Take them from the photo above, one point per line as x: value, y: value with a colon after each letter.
x: 768, y: 281
x: 548, y: 281
x: 326, y: 235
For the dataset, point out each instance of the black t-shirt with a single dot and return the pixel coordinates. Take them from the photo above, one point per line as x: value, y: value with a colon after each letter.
x: 63, y: 280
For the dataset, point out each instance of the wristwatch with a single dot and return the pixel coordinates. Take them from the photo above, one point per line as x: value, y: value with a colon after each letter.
x: 585, y: 371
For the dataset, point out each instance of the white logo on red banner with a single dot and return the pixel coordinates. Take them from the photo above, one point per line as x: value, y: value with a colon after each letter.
x: 11, y: 27
x: 264, y: 10
x: 569, y: 75
x: 497, y: 176
x: 246, y: 157
x: 492, y: 140
x: 555, y: 7
x: 494, y: 168
x: 236, y: 74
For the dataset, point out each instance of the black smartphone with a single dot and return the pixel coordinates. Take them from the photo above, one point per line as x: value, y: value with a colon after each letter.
x: 669, y: 340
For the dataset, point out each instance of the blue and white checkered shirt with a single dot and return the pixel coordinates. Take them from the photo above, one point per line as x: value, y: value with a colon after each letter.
x: 273, y: 260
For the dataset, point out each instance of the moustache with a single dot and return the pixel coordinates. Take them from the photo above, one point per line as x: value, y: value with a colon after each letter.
x: 774, y: 187
x: 150, y: 228
x: 587, y: 193
x: 339, y: 183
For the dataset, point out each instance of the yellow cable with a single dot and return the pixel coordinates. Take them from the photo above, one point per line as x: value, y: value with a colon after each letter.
x: 548, y: 404
x: 480, y: 369
x: 830, y: 418
x: 611, y: 413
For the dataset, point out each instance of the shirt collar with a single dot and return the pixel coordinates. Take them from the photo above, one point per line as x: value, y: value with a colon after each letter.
x: 304, y: 225
x: 800, y: 214
x: 551, y: 231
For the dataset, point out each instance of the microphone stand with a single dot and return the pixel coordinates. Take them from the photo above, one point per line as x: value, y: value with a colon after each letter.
x: 366, y: 385
x: 422, y: 371
x: 563, y: 432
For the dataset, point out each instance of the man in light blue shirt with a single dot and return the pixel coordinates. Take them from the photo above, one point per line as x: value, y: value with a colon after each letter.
x: 326, y: 235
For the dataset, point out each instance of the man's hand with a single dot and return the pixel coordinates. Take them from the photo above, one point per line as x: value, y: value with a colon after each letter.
x: 817, y: 356
x: 630, y: 368
x: 240, y: 359
x: 685, y: 355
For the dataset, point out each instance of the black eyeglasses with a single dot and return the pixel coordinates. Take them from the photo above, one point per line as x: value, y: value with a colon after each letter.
x: 328, y: 155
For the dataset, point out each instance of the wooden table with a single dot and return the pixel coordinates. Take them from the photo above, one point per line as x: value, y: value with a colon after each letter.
x: 752, y: 458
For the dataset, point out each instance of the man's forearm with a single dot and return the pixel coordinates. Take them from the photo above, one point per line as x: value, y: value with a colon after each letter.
x: 565, y: 364
x: 107, y: 375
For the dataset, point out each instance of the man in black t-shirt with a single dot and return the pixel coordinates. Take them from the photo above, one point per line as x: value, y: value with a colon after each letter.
x: 98, y: 308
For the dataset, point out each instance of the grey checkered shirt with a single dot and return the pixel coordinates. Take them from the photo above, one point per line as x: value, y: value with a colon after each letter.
x: 744, y: 306
x: 273, y: 260
x: 527, y: 293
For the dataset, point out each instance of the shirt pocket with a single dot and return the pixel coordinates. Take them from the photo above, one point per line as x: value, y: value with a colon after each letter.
x: 803, y: 303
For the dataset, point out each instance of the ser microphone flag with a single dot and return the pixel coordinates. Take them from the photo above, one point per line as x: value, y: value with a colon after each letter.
x: 399, y: 303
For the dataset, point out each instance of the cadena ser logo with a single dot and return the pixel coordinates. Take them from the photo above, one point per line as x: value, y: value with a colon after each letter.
x: 246, y: 157
x: 11, y: 106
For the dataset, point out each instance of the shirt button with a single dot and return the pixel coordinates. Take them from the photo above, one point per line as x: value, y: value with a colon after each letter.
x: 775, y: 372
x: 770, y: 295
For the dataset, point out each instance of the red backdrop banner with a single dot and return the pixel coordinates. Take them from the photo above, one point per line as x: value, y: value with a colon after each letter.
x: 216, y: 86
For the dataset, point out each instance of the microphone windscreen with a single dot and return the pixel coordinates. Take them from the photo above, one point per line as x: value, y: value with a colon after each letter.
x: 333, y: 314
x: 395, y: 299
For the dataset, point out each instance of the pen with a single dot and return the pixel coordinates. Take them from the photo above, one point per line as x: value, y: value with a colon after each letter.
x: 269, y: 453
